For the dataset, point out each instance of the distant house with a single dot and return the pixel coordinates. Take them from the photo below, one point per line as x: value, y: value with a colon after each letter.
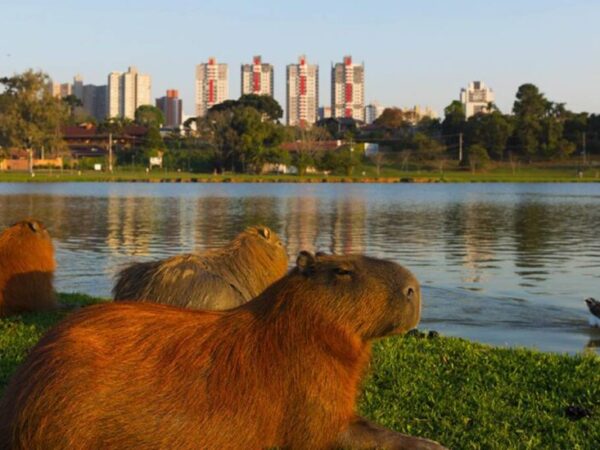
x: 86, y: 140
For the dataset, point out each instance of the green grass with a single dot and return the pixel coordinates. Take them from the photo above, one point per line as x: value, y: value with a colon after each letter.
x: 499, y: 173
x: 465, y: 395
x: 472, y: 396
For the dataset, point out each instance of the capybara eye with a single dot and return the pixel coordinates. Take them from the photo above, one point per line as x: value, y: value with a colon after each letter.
x: 410, y: 293
x: 341, y: 271
x: 265, y: 232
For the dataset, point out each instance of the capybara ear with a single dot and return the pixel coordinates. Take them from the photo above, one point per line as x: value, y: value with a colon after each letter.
x: 264, y: 232
x: 305, y: 262
x: 35, y: 226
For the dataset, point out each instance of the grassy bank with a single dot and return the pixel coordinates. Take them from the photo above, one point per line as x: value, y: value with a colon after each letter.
x: 365, y: 174
x: 466, y: 395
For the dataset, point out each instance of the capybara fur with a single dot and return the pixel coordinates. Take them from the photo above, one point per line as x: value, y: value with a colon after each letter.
x: 219, y: 279
x: 26, y: 269
x: 282, y: 370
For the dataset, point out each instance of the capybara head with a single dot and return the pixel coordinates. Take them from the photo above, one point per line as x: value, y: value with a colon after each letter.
x: 256, y: 256
x: 373, y: 297
x: 263, y: 239
x: 25, y: 236
x: 26, y: 268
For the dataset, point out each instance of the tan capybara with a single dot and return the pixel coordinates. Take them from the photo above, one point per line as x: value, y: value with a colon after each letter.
x: 282, y: 370
x: 26, y: 269
x: 219, y: 279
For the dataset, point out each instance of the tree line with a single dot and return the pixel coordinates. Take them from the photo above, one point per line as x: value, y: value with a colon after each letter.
x: 246, y: 134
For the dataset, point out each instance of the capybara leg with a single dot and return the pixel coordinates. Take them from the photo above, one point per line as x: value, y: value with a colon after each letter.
x: 362, y: 434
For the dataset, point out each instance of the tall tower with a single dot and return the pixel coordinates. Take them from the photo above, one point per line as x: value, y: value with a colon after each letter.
x: 476, y: 98
x: 127, y: 92
x: 302, y: 93
x: 212, y: 85
x: 348, y: 90
x: 257, y: 78
x: 171, y: 106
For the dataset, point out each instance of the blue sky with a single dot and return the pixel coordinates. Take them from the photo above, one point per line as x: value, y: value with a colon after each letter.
x: 414, y: 52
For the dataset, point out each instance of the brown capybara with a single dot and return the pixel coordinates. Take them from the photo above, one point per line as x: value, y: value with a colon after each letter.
x: 282, y: 370
x: 26, y: 269
x: 219, y: 279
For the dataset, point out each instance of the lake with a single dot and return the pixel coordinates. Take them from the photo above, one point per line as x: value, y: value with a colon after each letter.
x: 506, y: 264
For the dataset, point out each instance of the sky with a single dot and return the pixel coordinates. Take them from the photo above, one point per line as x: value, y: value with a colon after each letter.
x: 415, y: 52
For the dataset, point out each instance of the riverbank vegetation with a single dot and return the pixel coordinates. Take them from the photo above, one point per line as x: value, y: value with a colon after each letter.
x: 465, y: 395
x: 246, y: 136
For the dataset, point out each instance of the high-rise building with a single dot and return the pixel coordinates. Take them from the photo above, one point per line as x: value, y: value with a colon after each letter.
x: 476, y: 98
x: 127, y: 92
x: 348, y: 90
x: 94, y: 101
x: 257, y: 78
x: 372, y: 112
x: 302, y: 93
x: 212, y: 85
x: 172, y: 107
x: 324, y: 112
x: 59, y: 90
x: 78, y: 87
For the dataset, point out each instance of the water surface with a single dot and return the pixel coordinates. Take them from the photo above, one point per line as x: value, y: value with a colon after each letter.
x: 507, y: 264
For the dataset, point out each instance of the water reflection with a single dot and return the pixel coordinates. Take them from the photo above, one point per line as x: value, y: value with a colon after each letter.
x: 500, y: 263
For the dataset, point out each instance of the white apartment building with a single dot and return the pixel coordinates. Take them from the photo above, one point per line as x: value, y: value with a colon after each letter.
x: 59, y: 90
x: 127, y: 92
x: 302, y: 93
x: 348, y: 90
x: 257, y: 78
x: 372, y: 112
x: 212, y: 85
x: 476, y: 98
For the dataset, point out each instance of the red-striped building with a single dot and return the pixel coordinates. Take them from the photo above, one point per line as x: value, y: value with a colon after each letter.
x: 302, y: 93
x: 212, y: 85
x: 348, y: 90
x: 257, y: 78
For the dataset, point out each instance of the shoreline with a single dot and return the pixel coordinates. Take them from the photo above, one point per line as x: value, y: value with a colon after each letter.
x: 176, y: 177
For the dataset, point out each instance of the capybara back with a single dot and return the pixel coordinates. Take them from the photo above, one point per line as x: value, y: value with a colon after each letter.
x: 26, y: 268
x: 219, y: 279
x: 282, y: 370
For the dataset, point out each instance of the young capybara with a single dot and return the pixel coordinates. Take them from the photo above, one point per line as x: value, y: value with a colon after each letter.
x: 282, y: 370
x: 26, y: 269
x: 219, y: 279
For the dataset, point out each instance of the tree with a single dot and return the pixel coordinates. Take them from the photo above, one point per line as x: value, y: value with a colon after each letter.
x: 426, y: 147
x: 153, y: 144
x: 454, y: 118
x: 453, y: 124
x: 392, y: 118
x: 343, y: 160
x: 477, y: 157
x: 491, y: 131
x: 302, y: 160
x: 242, y: 138
x: 149, y: 116
x: 529, y: 109
x: 74, y: 106
x: 265, y: 104
x: 30, y: 117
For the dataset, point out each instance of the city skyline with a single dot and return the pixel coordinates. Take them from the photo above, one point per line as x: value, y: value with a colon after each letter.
x: 413, y: 54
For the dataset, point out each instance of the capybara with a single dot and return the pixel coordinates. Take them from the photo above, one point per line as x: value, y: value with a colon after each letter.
x: 26, y: 269
x: 282, y: 370
x: 218, y: 279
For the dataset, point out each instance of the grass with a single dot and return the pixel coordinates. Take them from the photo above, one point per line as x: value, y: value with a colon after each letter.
x: 498, y: 173
x: 465, y: 395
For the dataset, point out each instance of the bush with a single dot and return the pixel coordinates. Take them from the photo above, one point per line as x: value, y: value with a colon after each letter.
x: 477, y: 157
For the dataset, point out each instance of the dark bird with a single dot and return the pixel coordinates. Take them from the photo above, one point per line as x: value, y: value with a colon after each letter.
x: 594, y: 307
